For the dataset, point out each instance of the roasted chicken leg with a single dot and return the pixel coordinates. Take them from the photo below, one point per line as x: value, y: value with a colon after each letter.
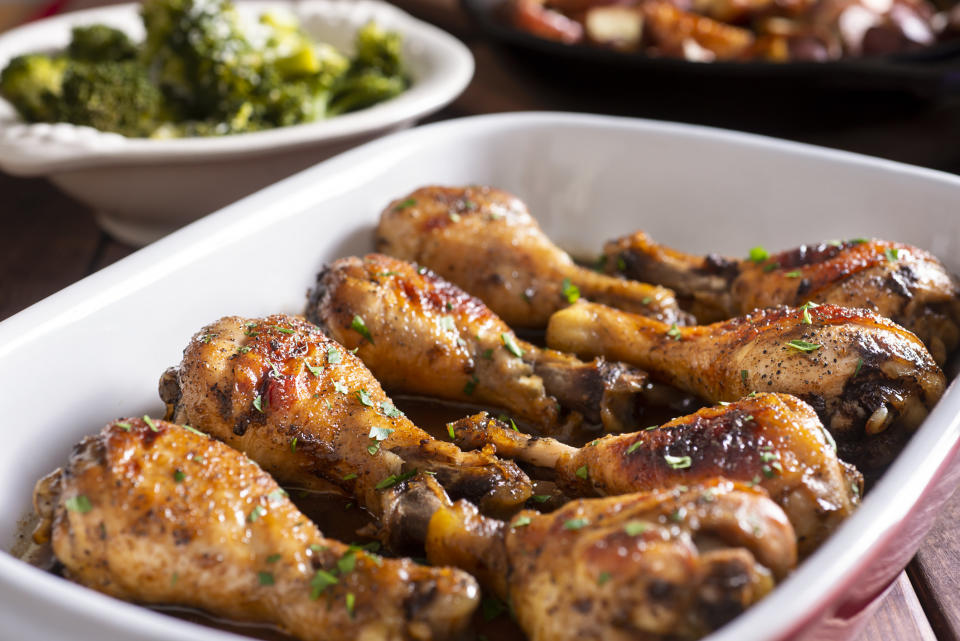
x: 419, y: 334
x: 861, y: 373
x: 903, y: 283
x: 485, y: 241
x: 771, y: 440
x: 311, y: 414
x: 152, y: 512
x: 671, y: 564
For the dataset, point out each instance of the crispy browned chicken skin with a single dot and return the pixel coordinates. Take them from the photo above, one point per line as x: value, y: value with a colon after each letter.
x: 155, y: 513
x: 423, y: 335
x: 671, y: 564
x: 860, y: 372
x: 774, y: 441
x: 485, y: 241
x: 903, y: 283
x: 313, y: 415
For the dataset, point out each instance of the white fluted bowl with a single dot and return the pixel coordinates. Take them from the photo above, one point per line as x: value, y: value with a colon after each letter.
x: 142, y: 189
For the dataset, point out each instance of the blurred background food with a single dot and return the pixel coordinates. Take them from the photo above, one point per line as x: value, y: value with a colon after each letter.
x: 772, y: 30
x: 202, y: 70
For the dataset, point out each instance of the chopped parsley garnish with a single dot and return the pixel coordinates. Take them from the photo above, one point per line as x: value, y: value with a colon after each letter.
x: 315, y: 370
x: 387, y: 274
x: 178, y: 476
x: 194, y: 430
x: 206, y: 338
x: 492, y: 607
x: 380, y: 433
x: 633, y: 528
x: 451, y: 432
x: 293, y: 444
x: 743, y: 376
x: 333, y: 355
x: 79, y: 503
x: 603, y: 578
x: 570, y: 291
x: 772, y: 266
x: 316, y: 547
x: 634, y: 446
x: 273, y: 558
x: 674, y: 332
x: 582, y: 472
x: 283, y: 330
x: 454, y: 216
x: 758, y: 254
x: 858, y: 241
x: 360, y: 327
x: 339, y: 387
x: 488, y: 353
x: 266, y: 578
x: 794, y: 274
x: 243, y: 349
x: 806, y: 320
x: 256, y: 513
x: 373, y: 448
x: 347, y: 563
x: 389, y: 410
x: 521, y: 521
x: 258, y: 403
x: 892, y: 254
x: 803, y: 346
x: 541, y: 498
x: 350, y: 476
x: 646, y: 300
x: 393, y: 479
x: 859, y: 366
x: 511, y: 344
x: 678, y: 462
x: 364, y: 397
x: 320, y: 582
x: 149, y: 422
x: 507, y: 419
x: 470, y: 386
x: 351, y: 602
x: 409, y: 202
x: 124, y: 426
x: 277, y: 495
x: 575, y: 524
x: 447, y: 323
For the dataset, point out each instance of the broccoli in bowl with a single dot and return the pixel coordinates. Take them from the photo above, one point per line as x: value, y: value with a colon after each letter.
x: 203, y: 70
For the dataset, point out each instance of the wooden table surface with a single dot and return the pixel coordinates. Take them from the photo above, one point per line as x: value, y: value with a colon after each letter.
x: 51, y: 241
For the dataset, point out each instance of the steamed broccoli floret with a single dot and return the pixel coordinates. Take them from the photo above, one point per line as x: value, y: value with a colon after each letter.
x: 100, y: 43
x: 379, y: 49
x: 200, y: 55
x: 111, y: 96
x: 32, y: 84
x: 363, y: 89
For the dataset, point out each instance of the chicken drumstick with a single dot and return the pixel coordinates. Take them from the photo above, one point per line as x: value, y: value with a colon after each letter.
x: 152, y: 512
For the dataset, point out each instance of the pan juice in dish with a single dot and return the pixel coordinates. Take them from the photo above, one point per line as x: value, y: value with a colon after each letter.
x: 656, y: 459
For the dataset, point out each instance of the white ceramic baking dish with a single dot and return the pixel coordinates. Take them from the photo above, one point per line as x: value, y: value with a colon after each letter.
x: 142, y: 189
x: 95, y: 350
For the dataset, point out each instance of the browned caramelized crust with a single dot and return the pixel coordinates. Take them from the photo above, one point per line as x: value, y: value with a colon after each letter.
x: 310, y: 413
x: 860, y: 372
x: 485, y: 241
x: 670, y: 564
x: 895, y: 280
x: 157, y: 513
x: 773, y: 441
x: 425, y: 336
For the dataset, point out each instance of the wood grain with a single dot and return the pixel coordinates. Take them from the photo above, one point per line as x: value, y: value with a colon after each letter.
x: 935, y: 573
x: 900, y: 617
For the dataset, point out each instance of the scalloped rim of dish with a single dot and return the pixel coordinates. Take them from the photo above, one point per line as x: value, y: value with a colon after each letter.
x: 41, y: 148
